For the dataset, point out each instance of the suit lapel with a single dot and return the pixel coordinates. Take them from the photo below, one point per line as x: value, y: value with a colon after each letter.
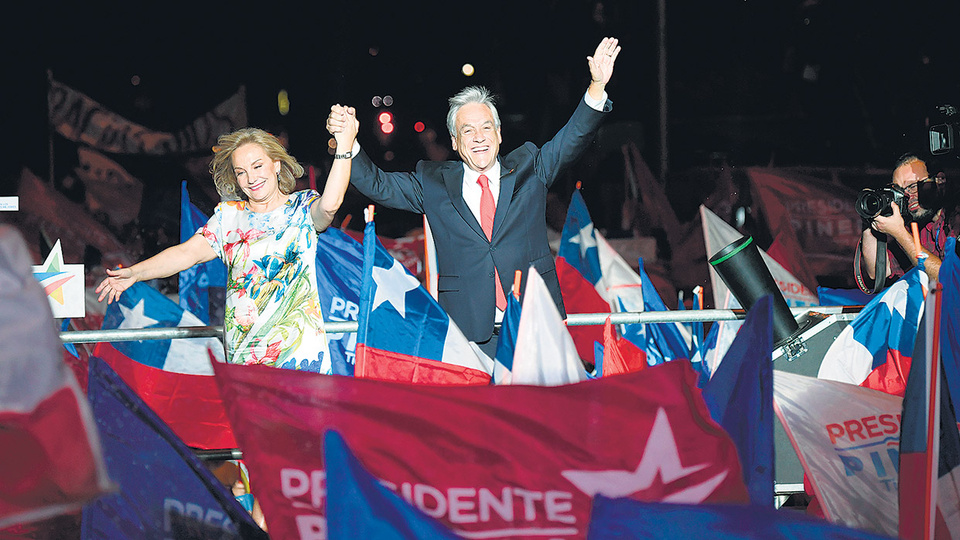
x: 453, y: 180
x: 508, y: 180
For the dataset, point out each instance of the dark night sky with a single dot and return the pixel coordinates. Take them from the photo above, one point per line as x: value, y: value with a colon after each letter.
x: 735, y: 70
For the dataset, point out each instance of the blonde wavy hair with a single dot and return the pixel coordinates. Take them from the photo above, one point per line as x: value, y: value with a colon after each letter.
x: 221, y: 167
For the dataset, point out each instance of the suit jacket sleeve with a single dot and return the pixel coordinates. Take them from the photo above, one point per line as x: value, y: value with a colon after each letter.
x: 400, y: 190
x: 570, y: 142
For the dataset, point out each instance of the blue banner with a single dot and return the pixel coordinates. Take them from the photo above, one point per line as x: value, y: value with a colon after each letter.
x: 165, y: 491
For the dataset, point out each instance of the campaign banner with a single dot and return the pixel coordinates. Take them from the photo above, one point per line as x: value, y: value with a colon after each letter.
x: 79, y: 118
x: 339, y: 278
x: 44, y: 208
x: 486, y: 461
x: 848, y: 441
x: 814, y: 220
x: 165, y: 491
x: 109, y: 188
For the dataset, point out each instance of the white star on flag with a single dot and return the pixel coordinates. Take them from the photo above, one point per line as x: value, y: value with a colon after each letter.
x: 660, y: 457
x: 896, y: 300
x: 392, y: 286
x: 135, y: 318
x: 585, y: 239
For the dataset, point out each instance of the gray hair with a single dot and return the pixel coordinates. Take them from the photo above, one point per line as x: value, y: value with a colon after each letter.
x: 470, y: 94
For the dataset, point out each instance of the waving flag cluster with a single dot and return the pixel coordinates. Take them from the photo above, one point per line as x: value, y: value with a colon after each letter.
x: 875, y: 350
x: 594, y: 278
x: 404, y: 334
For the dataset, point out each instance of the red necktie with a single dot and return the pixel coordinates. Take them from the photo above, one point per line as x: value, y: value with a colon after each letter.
x: 487, y: 210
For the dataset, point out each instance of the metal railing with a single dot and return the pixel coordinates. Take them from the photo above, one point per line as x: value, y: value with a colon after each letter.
x: 337, y: 327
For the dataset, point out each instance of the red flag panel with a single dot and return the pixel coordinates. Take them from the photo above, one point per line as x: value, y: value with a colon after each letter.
x: 496, y: 461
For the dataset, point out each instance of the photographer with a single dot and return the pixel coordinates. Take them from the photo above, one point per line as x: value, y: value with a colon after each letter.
x: 916, y: 192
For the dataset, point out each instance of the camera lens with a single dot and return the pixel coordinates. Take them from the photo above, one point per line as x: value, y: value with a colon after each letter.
x: 870, y: 204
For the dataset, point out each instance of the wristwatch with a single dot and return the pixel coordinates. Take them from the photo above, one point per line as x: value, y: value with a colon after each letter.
x: 347, y: 155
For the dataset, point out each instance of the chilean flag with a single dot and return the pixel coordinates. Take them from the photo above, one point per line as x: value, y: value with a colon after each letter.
x: 403, y: 333
x: 173, y: 377
x: 874, y: 351
x: 578, y: 269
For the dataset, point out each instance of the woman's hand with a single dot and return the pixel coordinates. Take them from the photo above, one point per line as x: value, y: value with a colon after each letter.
x: 113, y: 286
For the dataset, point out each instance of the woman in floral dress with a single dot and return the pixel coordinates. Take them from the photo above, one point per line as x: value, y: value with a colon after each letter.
x: 266, y: 234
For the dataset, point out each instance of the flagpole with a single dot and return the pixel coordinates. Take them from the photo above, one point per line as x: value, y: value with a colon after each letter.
x: 933, y: 416
x: 49, y: 129
x: 662, y: 80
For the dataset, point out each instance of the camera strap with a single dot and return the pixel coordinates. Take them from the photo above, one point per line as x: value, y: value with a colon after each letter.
x: 881, y: 269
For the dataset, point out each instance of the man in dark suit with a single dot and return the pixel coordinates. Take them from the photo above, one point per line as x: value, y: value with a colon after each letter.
x: 487, y: 213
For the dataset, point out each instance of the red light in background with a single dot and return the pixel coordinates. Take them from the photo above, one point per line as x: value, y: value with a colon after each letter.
x: 386, y: 127
x: 419, y: 127
x: 385, y: 117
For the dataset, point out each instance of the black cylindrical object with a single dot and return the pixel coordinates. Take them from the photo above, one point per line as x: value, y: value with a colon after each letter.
x: 742, y: 268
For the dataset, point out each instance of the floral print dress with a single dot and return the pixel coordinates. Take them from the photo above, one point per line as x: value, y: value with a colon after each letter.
x: 272, y: 311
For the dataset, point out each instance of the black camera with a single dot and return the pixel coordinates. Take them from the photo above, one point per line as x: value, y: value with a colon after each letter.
x: 943, y: 135
x: 876, y: 202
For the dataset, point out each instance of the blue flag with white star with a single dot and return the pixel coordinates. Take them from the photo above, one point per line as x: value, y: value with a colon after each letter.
x: 578, y: 245
x: 403, y: 333
x: 142, y: 306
